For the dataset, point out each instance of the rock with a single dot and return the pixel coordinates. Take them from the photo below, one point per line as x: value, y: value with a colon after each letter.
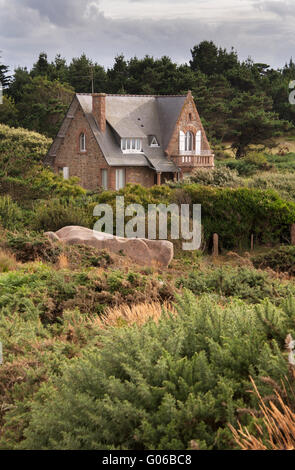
x: 142, y: 251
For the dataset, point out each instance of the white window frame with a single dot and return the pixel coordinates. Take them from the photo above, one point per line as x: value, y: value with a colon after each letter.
x: 104, y: 179
x: 66, y: 172
x: 154, y: 142
x: 82, y: 141
x: 131, y: 145
x: 120, y: 178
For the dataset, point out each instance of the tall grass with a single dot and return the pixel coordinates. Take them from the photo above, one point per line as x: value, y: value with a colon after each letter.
x: 125, y: 315
x: 277, y: 431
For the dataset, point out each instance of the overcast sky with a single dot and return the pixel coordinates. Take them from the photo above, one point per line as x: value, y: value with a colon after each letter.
x: 262, y: 29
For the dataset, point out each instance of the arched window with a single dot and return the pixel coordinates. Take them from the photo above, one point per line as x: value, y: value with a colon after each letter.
x: 82, y: 142
x: 189, y: 141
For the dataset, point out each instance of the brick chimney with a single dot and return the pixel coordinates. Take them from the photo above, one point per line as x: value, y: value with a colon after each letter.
x: 99, y: 109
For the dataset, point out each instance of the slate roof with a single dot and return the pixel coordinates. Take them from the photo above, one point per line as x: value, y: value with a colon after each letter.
x: 137, y: 116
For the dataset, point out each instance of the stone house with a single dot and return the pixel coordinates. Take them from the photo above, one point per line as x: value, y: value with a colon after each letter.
x: 110, y: 140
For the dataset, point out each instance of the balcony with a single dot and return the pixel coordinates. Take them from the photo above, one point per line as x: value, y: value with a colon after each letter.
x: 205, y: 159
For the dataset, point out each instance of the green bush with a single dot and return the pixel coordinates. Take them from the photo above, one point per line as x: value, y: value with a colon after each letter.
x: 47, y: 293
x: 30, y: 246
x: 11, y: 215
x: 164, y: 385
x: 244, y: 283
x: 219, y: 176
x: 283, y: 162
x: 249, y: 165
x: 283, y: 183
x: 280, y: 259
x: 55, y: 214
x: 235, y: 214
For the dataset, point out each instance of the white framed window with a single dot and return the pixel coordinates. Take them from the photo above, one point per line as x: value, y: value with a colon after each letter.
x: 131, y: 145
x: 120, y: 179
x: 154, y: 142
x: 82, y: 142
x: 66, y: 172
x: 198, y: 143
x: 104, y: 179
x: 189, y: 141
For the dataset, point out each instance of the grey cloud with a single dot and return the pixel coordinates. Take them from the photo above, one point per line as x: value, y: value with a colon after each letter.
x: 283, y: 8
x: 26, y: 31
x: 66, y: 12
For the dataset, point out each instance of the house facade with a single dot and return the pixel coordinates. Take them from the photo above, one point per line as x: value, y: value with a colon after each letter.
x: 110, y: 140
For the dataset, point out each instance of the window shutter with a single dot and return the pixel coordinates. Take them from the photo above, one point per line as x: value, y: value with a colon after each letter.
x: 181, y: 141
x: 198, y: 143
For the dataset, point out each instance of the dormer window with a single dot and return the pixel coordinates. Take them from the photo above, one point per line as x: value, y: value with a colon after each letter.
x: 153, y: 141
x: 82, y: 142
x: 131, y: 145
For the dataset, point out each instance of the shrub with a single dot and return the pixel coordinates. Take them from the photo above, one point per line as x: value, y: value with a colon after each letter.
x: 30, y: 246
x: 244, y: 283
x: 280, y: 259
x: 219, y: 176
x: 283, y: 183
x: 163, y: 385
x: 11, y: 216
x: 48, y: 293
x: 55, y: 214
x: 249, y: 165
x: 235, y: 214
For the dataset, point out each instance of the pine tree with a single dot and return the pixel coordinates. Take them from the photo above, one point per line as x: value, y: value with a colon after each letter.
x: 4, y: 77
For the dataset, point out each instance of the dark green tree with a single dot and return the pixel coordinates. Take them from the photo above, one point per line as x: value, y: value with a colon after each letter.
x: 43, y: 105
x: 252, y: 121
x: 21, y: 78
x: 118, y: 75
x: 42, y: 67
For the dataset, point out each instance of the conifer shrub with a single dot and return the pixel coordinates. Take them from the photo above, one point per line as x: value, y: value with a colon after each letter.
x: 162, y: 385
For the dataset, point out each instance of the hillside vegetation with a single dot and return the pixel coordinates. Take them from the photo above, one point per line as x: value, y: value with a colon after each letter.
x: 101, y: 353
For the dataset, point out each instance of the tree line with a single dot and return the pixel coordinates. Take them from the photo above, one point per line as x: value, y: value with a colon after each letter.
x: 239, y: 100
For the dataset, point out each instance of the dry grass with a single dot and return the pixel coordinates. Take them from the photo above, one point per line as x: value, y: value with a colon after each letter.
x: 125, y: 315
x: 63, y: 262
x: 7, y: 262
x: 277, y: 431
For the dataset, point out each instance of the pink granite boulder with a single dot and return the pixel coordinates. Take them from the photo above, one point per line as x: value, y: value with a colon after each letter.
x: 142, y: 251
